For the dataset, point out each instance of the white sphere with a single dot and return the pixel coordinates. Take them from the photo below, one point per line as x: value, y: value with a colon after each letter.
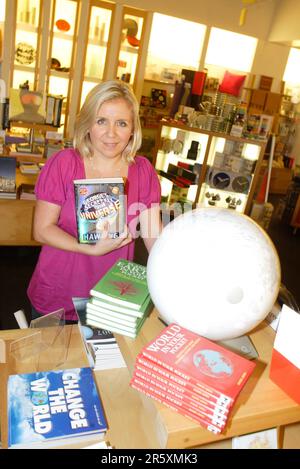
x: 215, y: 272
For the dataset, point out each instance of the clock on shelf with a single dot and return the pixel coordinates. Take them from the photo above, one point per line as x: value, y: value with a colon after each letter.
x: 230, y: 167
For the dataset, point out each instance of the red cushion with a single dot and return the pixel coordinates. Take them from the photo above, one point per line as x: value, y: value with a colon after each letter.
x: 232, y: 83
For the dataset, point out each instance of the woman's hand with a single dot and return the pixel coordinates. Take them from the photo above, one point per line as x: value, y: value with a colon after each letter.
x: 107, y: 244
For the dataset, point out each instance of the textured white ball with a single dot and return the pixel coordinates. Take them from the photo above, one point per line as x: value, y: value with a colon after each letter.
x: 215, y: 272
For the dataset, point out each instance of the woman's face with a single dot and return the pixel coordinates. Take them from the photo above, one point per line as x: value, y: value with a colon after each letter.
x: 112, y: 128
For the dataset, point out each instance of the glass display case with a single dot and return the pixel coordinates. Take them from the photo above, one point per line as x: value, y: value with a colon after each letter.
x: 26, y: 43
x: 62, y: 44
x: 98, y: 38
x: 131, y: 44
x: 205, y: 168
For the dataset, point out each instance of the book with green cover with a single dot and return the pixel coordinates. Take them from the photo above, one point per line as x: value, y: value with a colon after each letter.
x: 146, y: 307
x: 125, y: 284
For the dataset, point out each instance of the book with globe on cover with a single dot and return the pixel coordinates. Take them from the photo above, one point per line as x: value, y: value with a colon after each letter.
x: 197, y: 359
x: 216, y: 400
x: 99, y: 202
x: 54, y: 408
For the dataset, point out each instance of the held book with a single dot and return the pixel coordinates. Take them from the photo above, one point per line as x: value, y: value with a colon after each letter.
x: 54, y: 408
x: 197, y: 359
x: 99, y: 203
x: 125, y: 284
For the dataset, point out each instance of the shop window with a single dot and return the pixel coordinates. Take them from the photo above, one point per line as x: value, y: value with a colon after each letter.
x: 174, y: 44
x: 228, y: 50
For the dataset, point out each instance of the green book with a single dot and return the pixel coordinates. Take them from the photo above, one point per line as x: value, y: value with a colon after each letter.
x: 146, y: 307
x: 93, y: 321
x: 124, y: 284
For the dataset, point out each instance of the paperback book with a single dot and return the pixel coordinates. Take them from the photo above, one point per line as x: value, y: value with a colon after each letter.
x: 161, y: 373
x: 196, y: 358
x: 124, y: 284
x: 100, y: 205
x: 54, y: 408
x: 190, y: 402
x: 8, y: 177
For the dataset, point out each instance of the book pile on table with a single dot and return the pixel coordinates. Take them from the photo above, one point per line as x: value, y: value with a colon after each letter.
x: 120, y: 301
x: 192, y: 375
x: 102, y: 349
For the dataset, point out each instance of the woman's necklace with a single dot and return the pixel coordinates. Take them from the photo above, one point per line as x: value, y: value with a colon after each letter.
x: 98, y: 170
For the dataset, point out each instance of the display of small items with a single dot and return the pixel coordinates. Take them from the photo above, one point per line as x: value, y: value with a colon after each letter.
x: 212, y: 198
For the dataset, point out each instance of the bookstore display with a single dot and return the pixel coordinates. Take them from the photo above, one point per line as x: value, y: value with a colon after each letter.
x: 54, y: 408
x: 99, y: 202
x: 260, y: 405
x: 207, y: 168
x: 206, y: 377
x: 120, y: 301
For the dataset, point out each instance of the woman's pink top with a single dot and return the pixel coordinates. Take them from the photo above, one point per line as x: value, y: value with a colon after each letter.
x: 60, y: 275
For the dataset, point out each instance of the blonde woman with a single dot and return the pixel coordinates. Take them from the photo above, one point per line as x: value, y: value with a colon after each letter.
x: 106, y: 139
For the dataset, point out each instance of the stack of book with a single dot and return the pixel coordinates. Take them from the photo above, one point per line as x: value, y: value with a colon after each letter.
x: 120, y: 301
x: 102, y: 349
x: 192, y: 375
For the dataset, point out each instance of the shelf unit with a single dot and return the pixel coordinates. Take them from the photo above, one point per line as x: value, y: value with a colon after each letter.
x: 68, y: 43
x: 227, y: 167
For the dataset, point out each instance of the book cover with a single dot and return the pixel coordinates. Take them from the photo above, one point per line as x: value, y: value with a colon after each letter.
x: 198, y: 359
x: 125, y: 284
x: 52, y: 408
x: 174, y: 405
x: 99, y: 202
x: 216, y: 398
x: 7, y: 174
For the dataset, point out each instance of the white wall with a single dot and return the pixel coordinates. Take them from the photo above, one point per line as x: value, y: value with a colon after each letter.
x: 286, y: 20
x: 220, y: 13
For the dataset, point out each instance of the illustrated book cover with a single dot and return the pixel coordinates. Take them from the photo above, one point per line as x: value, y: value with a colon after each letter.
x: 99, y: 203
x: 53, y: 408
x: 7, y: 175
x: 198, y: 359
x: 125, y: 284
x: 91, y: 334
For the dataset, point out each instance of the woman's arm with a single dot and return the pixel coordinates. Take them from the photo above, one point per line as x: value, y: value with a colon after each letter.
x: 46, y: 231
x: 151, y: 225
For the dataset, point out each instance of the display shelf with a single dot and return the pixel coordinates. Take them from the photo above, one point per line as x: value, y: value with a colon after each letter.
x: 212, y: 169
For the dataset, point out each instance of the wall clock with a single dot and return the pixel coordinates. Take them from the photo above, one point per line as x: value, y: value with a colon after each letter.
x: 221, y: 180
x: 241, y: 184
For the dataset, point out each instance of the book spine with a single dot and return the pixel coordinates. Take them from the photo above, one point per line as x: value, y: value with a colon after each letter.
x: 219, y: 422
x: 182, y: 391
x: 198, y: 405
x: 171, y: 403
x: 220, y: 396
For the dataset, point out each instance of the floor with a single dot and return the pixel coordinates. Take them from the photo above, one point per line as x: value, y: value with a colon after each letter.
x: 17, y: 264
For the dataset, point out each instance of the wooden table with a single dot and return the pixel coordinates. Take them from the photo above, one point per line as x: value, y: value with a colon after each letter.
x: 122, y: 404
x: 261, y: 404
x: 136, y: 421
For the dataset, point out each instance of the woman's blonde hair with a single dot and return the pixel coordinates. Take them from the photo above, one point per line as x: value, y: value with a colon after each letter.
x: 106, y: 91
